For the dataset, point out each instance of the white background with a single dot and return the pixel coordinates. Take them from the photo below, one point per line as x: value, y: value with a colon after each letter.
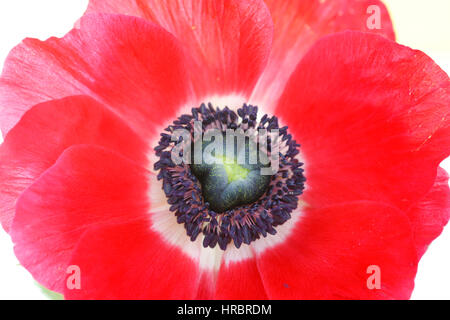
x: 423, y: 25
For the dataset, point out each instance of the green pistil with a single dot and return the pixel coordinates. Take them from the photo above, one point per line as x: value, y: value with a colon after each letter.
x: 234, y: 171
x: 228, y: 184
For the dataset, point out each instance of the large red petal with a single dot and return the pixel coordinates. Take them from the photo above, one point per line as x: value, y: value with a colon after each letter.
x: 135, y: 68
x: 206, y: 286
x: 45, y: 131
x: 87, y: 186
x: 432, y: 213
x: 299, y: 24
x: 229, y: 40
x: 240, y: 280
x: 131, y: 261
x: 236, y: 278
x: 373, y: 119
x: 330, y: 253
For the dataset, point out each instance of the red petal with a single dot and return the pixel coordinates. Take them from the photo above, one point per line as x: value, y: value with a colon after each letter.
x: 432, y: 213
x: 135, y: 68
x: 240, y: 281
x: 229, y: 40
x: 45, y: 131
x: 372, y: 117
x: 130, y: 261
x: 87, y: 186
x: 328, y: 254
x: 299, y: 24
x: 206, y: 288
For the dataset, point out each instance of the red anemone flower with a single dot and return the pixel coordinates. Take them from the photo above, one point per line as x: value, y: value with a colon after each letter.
x: 86, y: 181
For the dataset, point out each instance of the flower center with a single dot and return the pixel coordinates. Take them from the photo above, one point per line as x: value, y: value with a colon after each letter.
x: 234, y: 171
x: 227, y: 176
x: 228, y: 183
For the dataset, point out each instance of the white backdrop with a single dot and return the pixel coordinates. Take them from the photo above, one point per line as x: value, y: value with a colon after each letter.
x: 44, y: 18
